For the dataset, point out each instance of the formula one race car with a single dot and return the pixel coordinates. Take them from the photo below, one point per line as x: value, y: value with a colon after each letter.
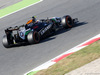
x: 33, y: 32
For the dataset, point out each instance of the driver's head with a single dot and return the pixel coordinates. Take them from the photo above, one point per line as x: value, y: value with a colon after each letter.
x: 33, y: 19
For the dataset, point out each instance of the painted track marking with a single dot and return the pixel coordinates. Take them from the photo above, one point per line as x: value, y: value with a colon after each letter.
x: 17, y: 7
x: 63, y: 55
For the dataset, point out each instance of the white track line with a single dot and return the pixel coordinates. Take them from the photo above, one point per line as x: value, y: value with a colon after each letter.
x: 21, y: 9
x: 72, y: 50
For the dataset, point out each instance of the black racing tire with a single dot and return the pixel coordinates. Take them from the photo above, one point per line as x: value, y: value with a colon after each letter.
x: 33, y: 37
x: 5, y: 42
x: 67, y: 22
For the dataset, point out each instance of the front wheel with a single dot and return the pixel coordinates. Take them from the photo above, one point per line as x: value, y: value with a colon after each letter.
x: 33, y: 37
x: 5, y: 42
x: 67, y: 22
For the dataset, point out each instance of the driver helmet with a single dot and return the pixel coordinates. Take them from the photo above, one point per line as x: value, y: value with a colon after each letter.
x: 33, y: 19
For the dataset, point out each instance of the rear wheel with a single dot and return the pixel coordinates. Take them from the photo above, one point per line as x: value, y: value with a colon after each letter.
x: 67, y: 22
x: 33, y: 37
x: 5, y: 42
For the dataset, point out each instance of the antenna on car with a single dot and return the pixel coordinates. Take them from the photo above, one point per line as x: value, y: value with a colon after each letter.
x: 47, y: 19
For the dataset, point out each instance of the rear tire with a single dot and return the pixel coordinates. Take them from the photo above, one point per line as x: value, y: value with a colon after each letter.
x: 5, y: 42
x: 33, y: 37
x: 67, y: 22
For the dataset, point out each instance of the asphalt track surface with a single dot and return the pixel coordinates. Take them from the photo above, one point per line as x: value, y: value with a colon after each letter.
x: 18, y: 60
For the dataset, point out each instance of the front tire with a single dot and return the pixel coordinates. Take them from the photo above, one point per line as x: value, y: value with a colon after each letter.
x: 33, y: 37
x: 5, y: 42
x: 67, y: 22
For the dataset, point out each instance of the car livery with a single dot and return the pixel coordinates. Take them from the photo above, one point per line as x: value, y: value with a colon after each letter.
x: 32, y: 33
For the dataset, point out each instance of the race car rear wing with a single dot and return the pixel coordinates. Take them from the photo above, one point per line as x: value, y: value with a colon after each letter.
x: 10, y: 29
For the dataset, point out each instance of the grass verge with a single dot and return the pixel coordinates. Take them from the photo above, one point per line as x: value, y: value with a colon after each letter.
x: 16, y: 7
x: 74, y: 61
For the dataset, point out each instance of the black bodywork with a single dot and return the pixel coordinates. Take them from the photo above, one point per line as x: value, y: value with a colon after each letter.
x: 34, y: 32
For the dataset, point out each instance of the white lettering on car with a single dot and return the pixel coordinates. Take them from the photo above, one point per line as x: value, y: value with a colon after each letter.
x: 45, y: 29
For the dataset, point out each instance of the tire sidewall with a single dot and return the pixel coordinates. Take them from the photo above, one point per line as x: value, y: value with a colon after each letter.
x: 65, y: 22
x: 5, y: 42
x: 33, y: 37
x: 69, y: 25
